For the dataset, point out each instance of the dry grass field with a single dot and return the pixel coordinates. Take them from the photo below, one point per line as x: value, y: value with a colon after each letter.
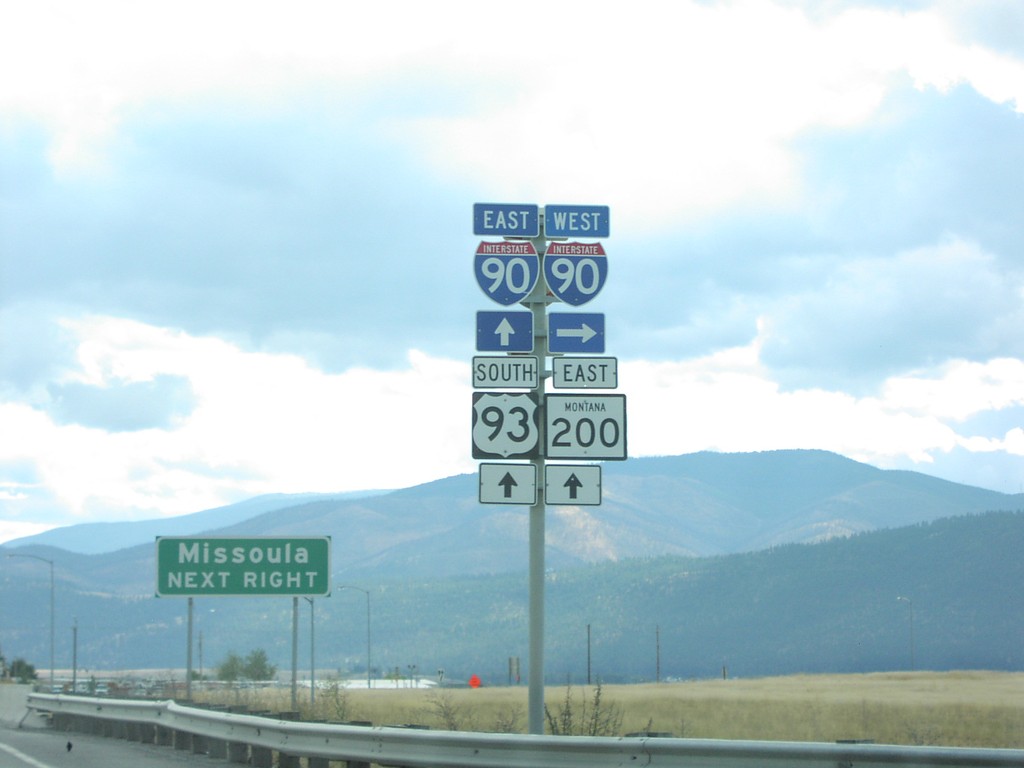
x: 976, y: 709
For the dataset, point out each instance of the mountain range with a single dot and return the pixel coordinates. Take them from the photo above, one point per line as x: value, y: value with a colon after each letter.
x: 430, y: 553
x: 697, y: 504
x: 97, y: 538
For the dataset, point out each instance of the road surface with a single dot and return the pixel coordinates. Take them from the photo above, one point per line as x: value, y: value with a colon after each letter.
x: 35, y: 745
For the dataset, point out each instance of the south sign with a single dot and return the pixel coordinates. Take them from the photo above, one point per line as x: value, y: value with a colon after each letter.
x: 521, y: 371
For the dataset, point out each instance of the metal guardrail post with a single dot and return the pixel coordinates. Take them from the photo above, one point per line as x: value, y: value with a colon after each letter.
x: 164, y: 736
x: 238, y: 752
x: 217, y: 748
x: 261, y: 757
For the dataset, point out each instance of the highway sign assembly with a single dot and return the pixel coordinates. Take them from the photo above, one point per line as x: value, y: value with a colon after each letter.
x: 506, y: 271
x: 585, y: 426
x: 575, y: 272
x: 536, y: 256
x: 516, y: 371
x: 572, y: 484
x: 506, y: 220
x: 505, y: 425
x: 508, y: 484
x: 585, y: 372
x: 243, y: 567
x: 576, y: 221
x: 504, y: 331
x: 581, y: 332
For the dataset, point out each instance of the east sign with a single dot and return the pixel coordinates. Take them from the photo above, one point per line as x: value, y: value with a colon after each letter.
x: 250, y: 567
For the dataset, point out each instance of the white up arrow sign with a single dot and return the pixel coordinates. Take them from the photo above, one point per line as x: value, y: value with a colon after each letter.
x: 572, y: 484
x: 508, y: 484
x: 504, y: 331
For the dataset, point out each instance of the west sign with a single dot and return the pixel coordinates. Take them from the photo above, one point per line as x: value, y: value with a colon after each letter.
x: 260, y: 566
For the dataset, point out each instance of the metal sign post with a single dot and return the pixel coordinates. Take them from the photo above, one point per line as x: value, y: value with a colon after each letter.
x: 537, y: 303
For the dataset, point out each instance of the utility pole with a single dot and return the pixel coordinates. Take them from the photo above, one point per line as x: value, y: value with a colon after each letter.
x: 74, y: 656
x: 657, y: 653
x: 588, y: 654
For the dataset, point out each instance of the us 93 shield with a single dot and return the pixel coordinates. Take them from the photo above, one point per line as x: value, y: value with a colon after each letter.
x: 505, y: 425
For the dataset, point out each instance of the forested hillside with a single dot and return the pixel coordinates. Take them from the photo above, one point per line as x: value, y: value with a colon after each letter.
x: 830, y: 606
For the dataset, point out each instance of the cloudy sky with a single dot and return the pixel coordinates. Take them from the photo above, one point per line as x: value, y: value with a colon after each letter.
x: 236, y: 237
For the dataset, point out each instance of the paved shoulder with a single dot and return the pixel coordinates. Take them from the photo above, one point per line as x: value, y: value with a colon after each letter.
x: 13, y: 704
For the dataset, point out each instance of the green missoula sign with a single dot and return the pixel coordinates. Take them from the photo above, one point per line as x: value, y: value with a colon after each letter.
x: 216, y: 567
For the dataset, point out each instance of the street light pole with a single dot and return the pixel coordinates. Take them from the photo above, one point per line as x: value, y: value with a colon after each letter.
x: 295, y: 651
x: 74, y: 657
x: 910, y: 604
x: 50, y: 562
x: 312, y: 656
x: 368, y: 665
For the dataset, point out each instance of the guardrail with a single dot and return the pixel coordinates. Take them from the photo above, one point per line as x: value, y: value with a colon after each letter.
x: 248, y: 738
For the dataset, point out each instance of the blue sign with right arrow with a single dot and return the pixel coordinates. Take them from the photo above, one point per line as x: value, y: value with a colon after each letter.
x: 572, y: 332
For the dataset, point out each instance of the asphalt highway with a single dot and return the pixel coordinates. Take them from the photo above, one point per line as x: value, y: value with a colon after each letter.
x: 27, y: 741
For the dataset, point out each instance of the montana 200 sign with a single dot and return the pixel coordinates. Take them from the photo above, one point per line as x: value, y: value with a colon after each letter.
x: 585, y: 426
x: 216, y: 567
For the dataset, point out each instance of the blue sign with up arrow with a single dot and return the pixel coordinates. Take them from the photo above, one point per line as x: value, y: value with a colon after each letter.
x: 509, y: 331
x: 572, y: 332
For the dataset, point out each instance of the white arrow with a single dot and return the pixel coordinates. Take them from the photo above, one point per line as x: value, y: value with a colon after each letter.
x: 504, y: 330
x: 585, y: 333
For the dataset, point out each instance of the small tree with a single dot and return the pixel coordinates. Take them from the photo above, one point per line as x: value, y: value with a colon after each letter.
x: 258, y: 667
x: 232, y: 668
x: 335, y: 698
x: 22, y: 671
x: 593, y: 718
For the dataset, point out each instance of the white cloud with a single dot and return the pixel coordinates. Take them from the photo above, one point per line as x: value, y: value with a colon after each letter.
x: 272, y: 423
x: 663, y: 110
x: 960, y: 389
x: 261, y: 423
x: 1014, y: 442
x: 10, y: 530
x: 728, y: 402
x: 891, y: 313
x: 668, y: 112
